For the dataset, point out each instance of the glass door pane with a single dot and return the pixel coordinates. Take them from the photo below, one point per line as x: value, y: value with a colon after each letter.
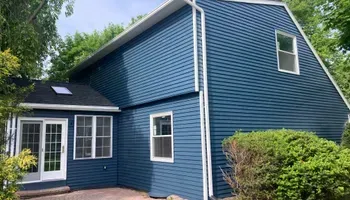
x: 53, y: 140
x: 30, y: 139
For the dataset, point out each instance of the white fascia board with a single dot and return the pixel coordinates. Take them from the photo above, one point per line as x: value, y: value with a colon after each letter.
x: 160, y: 13
x: 266, y: 2
x: 71, y: 107
x: 317, y: 56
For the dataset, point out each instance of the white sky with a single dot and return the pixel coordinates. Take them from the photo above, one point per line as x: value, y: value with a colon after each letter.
x: 96, y: 14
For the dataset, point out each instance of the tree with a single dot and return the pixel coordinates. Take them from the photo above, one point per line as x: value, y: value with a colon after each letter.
x: 28, y: 28
x: 74, y: 49
x: 338, y: 17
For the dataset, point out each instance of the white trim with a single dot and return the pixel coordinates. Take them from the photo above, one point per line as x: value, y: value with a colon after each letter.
x: 265, y: 2
x: 316, y: 55
x: 71, y: 107
x: 13, y: 132
x: 93, y: 141
x: 8, y: 133
x: 295, y: 53
x: 203, y: 144
x: 160, y: 159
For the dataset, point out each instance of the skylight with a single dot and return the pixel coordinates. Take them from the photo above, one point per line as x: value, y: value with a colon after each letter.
x: 61, y: 90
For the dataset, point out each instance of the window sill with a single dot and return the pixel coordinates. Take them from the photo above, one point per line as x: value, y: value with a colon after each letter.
x: 289, y: 72
x: 99, y: 158
x: 165, y: 160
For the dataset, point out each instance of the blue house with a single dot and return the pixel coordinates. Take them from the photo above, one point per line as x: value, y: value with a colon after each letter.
x: 150, y: 109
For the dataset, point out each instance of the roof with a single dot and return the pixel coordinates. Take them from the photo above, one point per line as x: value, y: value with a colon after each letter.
x: 160, y: 13
x: 82, y: 95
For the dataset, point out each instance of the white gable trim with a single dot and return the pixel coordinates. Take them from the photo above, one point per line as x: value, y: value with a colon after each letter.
x: 41, y: 106
x: 317, y: 57
x: 266, y: 2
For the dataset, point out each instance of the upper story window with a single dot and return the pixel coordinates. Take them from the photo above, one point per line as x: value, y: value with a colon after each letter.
x: 93, y: 137
x: 287, y: 53
x: 162, y: 148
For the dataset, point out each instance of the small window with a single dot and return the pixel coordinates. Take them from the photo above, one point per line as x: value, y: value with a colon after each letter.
x: 287, y: 53
x: 61, y: 90
x: 93, y: 137
x: 162, y: 148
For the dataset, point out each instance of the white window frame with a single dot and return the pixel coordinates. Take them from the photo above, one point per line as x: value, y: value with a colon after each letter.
x: 93, y: 145
x: 295, y: 47
x: 161, y: 159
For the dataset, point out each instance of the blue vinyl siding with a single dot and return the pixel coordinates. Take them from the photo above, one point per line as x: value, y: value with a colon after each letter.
x: 184, y: 176
x: 82, y: 174
x: 246, y: 90
x: 156, y: 64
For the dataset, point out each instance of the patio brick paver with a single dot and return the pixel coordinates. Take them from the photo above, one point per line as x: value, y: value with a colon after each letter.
x: 97, y: 194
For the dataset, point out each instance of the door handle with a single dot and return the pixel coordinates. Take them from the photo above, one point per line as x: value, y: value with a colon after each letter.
x: 62, y: 149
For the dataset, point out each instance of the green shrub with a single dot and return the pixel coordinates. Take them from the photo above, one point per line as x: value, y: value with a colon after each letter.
x: 12, y: 170
x: 345, y: 140
x: 286, y: 164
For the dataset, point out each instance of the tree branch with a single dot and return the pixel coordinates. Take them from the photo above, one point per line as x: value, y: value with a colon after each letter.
x: 36, y: 12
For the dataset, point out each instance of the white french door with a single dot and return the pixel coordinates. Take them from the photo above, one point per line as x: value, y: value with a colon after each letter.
x: 53, y: 152
x: 46, y: 138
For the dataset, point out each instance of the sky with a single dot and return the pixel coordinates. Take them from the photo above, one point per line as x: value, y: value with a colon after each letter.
x: 96, y: 14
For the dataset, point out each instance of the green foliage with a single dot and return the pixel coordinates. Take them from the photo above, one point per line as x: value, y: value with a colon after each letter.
x: 74, y: 49
x: 13, y: 169
x: 345, y: 140
x: 286, y: 164
x: 29, y: 29
x: 338, y: 17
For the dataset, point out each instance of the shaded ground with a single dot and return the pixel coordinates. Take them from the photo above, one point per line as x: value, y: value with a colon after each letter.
x: 103, y: 194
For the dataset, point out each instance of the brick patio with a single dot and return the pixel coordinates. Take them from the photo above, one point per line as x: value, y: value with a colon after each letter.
x: 103, y: 194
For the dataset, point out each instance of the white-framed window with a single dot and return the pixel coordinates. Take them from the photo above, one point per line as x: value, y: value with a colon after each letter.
x: 162, y: 137
x: 287, y: 53
x: 93, y: 137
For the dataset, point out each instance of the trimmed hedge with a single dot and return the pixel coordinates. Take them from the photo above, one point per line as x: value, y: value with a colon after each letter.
x: 286, y: 164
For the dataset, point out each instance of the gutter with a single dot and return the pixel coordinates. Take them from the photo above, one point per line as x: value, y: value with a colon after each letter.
x: 41, y: 106
x: 206, y: 98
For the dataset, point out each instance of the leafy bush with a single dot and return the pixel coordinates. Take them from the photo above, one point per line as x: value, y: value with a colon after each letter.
x: 345, y: 140
x: 286, y: 164
x: 13, y: 169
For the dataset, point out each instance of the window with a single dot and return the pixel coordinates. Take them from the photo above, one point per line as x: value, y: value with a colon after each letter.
x: 287, y: 53
x: 61, y: 90
x: 162, y: 148
x: 93, y: 137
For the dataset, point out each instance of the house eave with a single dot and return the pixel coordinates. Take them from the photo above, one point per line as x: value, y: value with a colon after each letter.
x: 41, y: 106
x: 163, y: 11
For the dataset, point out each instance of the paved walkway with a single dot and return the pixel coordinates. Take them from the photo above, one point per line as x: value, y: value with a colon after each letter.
x: 100, y: 194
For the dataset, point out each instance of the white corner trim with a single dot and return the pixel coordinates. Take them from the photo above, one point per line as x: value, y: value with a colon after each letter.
x: 266, y: 2
x: 317, y: 56
x: 71, y: 107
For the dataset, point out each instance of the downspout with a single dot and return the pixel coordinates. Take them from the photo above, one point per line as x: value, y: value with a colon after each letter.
x: 206, y: 98
x: 195, y: 48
